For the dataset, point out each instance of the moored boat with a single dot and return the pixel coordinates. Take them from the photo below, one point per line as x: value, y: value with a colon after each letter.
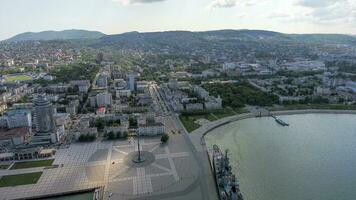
x: 226, y: 181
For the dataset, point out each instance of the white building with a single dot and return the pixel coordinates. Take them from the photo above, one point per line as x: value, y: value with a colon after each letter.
x: 305, y: 65
x: 209, y: 73
x: 322, y: 91
x: 229, y: 66
x: 102, y: 81
x: 202, y: 93
x: 83, y: 85
x: 103, y: 99
x: 141, y: 120
x: 142, y: 86
x: 351, y: 85
x: 92, y: 101
x: 213, y: 103
x: 194, y: 106
x: 123, y: 93
x: 151, y: 129
x: 18, y: 118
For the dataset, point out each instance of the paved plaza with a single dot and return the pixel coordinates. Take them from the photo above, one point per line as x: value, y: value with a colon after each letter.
x: 170, y: 171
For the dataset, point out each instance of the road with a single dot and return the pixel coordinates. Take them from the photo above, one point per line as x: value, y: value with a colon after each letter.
x: 205, y: 179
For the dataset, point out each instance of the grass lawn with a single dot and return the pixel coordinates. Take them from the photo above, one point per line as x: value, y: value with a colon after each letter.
x: 20, y: 179
x: 18, y: 78
x: 224, y: 113
x: 4, y: 166
x: 30, y: 164
x: 240, y: 111
x: 188, y: 122
x: 188, y: 119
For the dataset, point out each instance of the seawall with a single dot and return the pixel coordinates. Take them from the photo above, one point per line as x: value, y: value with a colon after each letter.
x: 197, y: 136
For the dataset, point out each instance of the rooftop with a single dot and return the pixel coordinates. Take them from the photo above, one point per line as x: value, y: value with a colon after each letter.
x: 15, y: 132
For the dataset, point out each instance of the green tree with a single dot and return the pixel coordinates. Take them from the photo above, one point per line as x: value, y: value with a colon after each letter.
x: 100, y: 124
x: 164, y: 138
x: 133, y: 122
x: 111, y: 135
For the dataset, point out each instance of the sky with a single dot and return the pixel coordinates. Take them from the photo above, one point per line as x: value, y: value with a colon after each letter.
x: 118, y: 16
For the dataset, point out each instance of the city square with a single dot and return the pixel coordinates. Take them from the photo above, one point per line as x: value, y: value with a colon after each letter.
x: 171, y: 169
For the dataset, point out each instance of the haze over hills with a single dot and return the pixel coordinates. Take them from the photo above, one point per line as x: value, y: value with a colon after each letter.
x: 56, y: 35
x: 180, y: 38
x: 242, y: 35
x: 185, y: 40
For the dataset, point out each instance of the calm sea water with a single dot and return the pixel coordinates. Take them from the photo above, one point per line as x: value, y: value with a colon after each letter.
x: 312, y: 159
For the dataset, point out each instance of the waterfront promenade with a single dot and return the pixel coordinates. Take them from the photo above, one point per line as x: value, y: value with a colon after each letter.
x: 197, y: 136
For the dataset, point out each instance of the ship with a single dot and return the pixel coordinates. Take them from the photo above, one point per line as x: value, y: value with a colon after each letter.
x: 226, y: 182
x: 281, y: 122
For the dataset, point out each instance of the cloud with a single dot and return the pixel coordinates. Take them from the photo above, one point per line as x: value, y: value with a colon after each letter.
x: 278, y: 15
x: 329, y: 11
x: 318, y: 3
x: 222, y: 4
x: 127, y: 2
x: 232, y: 3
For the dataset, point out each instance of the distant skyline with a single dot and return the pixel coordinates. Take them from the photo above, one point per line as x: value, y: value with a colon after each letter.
x: 119, y: 16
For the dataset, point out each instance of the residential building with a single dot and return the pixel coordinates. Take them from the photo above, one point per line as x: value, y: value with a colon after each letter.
x: 194, y: 106
x: 102, y: 81
x: 213, y: 103
x: 202, y: 93
x: 123, y: 93
x: 18, y: 118
x: 151, y: 129
x: 103, y: 99
x: 83, y: 85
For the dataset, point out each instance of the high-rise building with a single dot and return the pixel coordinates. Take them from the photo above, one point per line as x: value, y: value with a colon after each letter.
x: 44, y: 115
x: 132, y: 82
x: 46, y: 129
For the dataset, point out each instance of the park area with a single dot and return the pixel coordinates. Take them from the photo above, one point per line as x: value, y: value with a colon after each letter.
x: 13, y: 78
x: 20, y: 179
x: 31, y: 164
x: 4, y: 166
x: 189, y: 120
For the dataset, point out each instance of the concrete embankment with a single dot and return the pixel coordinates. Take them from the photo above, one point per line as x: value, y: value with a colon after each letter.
x: 197, y: 136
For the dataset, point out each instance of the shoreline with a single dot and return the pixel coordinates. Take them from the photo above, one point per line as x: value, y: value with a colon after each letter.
x: 197, y: 136
x: 239, y: 117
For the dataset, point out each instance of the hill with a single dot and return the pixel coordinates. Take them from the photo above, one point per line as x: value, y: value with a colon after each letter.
x: 184, y: 39
x: 56, y: 35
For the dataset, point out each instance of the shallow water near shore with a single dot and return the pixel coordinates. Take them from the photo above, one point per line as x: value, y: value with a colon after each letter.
x: 314, y: 158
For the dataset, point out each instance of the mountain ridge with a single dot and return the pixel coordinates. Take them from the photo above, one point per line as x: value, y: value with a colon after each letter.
x: 179, y: 35
x: 69, y: 34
